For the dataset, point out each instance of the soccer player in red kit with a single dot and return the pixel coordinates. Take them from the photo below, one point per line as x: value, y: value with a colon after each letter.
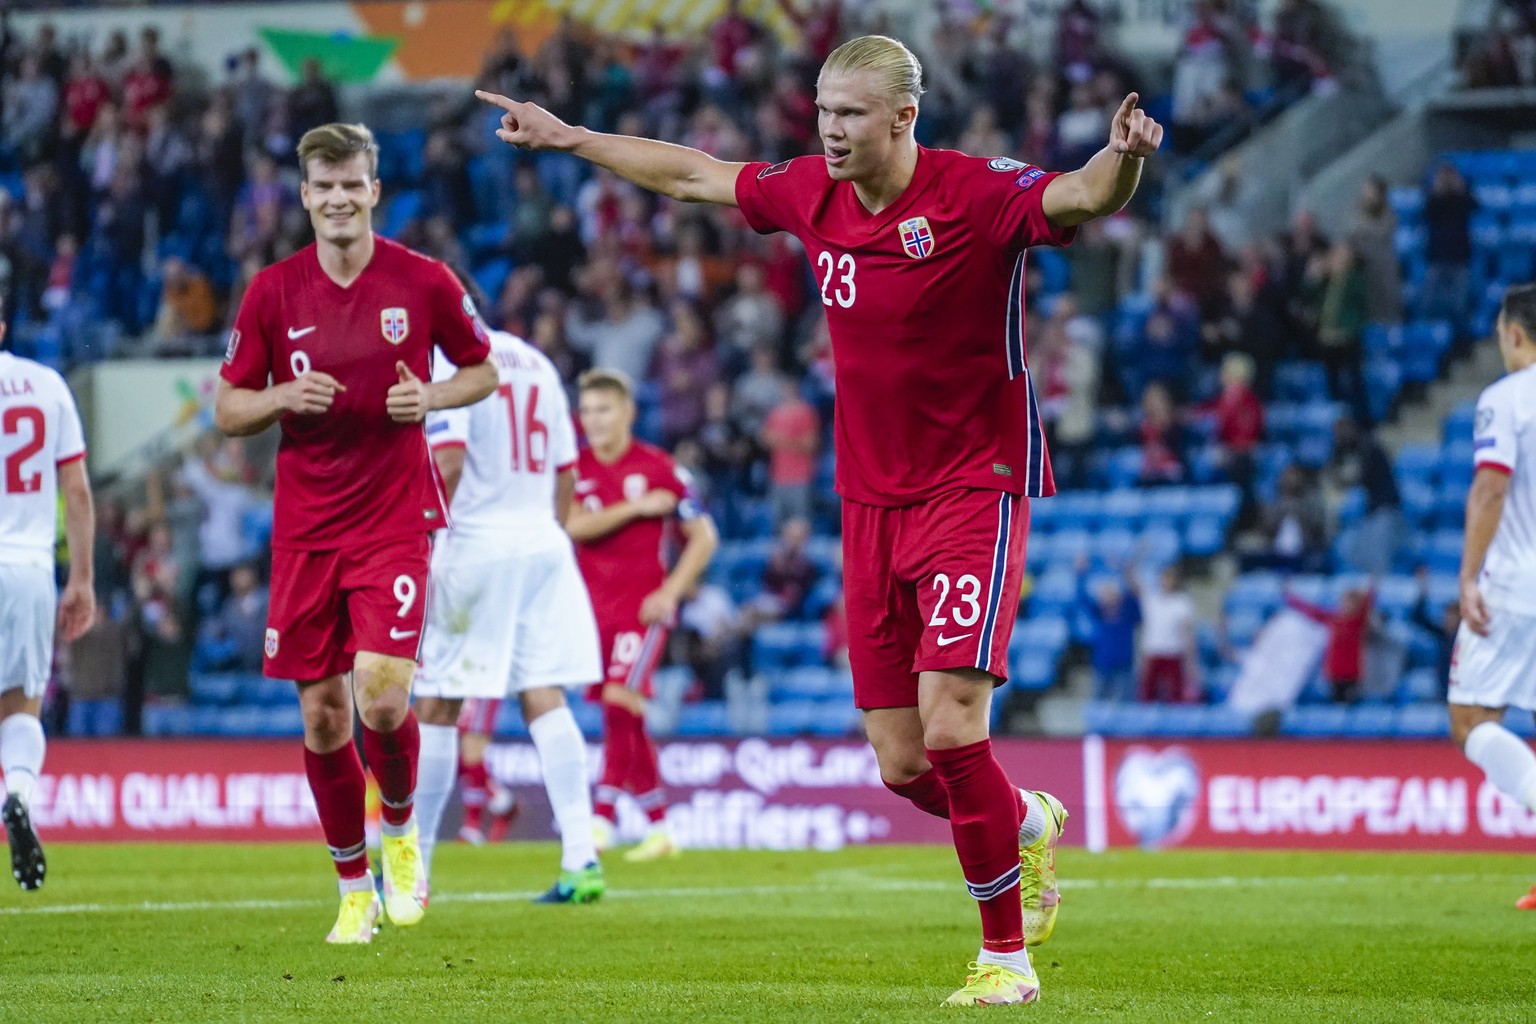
x: 335, y: 345
x: 626, y: 493
x: 919, y: 257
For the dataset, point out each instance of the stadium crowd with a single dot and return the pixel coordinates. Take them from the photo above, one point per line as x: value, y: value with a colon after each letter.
x: 135, y: 198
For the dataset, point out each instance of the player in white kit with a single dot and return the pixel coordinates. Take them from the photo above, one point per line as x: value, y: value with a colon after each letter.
x: 1493, y: 666
x: 42, y: 453
x: 508, y: 611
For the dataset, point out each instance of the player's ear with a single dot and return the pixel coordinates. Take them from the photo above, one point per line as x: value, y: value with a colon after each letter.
x: 906, y: 117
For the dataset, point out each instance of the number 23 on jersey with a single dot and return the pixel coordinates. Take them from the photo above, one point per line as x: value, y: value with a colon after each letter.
x: 837, y: 284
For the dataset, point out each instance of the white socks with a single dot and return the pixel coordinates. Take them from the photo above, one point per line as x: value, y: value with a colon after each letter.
x: 437, y: 769
x: 1017, y: 962
x: 563, y: 756
x: 21, y: 754
x: 1508, y: 761
x: 1033, y: 826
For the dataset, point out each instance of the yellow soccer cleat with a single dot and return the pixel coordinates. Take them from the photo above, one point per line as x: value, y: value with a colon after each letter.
x: 602, y: 833
x: 657, y: 845
x: 405, y: 878
x: 994, y: 985
x: 359, y: 914
x: 1037, y: 878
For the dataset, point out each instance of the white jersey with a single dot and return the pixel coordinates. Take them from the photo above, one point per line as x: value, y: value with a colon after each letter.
x: 1504, y: 438
x: 39, y: 432
x: 515, y: 441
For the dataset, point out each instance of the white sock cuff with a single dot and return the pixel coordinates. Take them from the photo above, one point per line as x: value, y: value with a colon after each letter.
x: 1483, y: 736
x: 439, y: 739
x: 22, y: 746
x: 553, y: 726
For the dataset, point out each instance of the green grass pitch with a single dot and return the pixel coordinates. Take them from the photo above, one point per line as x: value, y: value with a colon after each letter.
x: 233, y: 933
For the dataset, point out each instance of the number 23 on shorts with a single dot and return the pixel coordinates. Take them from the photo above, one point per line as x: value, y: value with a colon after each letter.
x: 952, y: 605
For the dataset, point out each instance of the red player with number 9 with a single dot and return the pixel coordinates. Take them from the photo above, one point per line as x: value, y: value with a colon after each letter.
x: 335, y: 344
x: 919, y: 257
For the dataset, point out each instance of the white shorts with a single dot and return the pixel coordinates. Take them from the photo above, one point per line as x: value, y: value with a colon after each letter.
x: 1497, y: 670
x: 498, y: 627
x: 29, y: 603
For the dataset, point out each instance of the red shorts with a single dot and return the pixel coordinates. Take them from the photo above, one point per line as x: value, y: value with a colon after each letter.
x: 328, y: 605
x: 630, y: 653
x: 930, y: 587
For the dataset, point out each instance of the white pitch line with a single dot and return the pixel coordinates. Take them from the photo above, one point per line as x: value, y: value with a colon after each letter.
x: 853, y: 885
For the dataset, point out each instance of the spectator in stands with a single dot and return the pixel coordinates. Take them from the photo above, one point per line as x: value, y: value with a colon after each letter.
x: 1342, y: 312
x: 216, y: 476
x: 1344, y: 657
x: 1197, y: 263
x: 562, y: 253
x: 85, y: 93
x: 1066, y: 375
x: 1297, y: 45
x: 167, y: 157
x: 789, y: 575
x: 1080, y: 128
x: 1441, y: 627
x: 1169, y: 652
x: 693, y: 273
x: 792, y: 434
x: 728, y: 451
x: 147, y: 84
x: 445, y: 187
x: 531, y: 212
x: 1360, y: 461
x: 258, y: 215
x: 1163, y: 442
x: 1114, y: 611
x: 1294, y: 527
x: 1077, y: 40
x: 188, y: 309
x: 1204, y: 65
x: 1040, y: 144
x: 1448, y: 209
x: 1169, y: 338
x: 684, y: 371
x: 1239, y: 424
x: 710, y: 638
x: 167, y: 648
x: 1373, y: 234
x: 1248, y: 327
x: 232, y: 640
x: 750, y: 318
x: 756, y: 392
x: 250, y: 92
x: 98, y: 671
x: 615, y: 328
x: 312, y: 102
x: 30, y: 108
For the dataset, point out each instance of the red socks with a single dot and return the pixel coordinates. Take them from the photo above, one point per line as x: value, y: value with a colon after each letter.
x: 477, y: 788
x: 629, y: 765
x: 925, y: 791
x: 336, y: 779
x: 984, y: 815
x: 392, y: 759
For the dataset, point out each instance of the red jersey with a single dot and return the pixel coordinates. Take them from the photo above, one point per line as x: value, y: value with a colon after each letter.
x: 925, y: 304
x: 624, y: 566
x: 351, y: 474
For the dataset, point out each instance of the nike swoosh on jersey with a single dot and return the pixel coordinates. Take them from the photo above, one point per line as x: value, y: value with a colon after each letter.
x: 396, y: 634
x: 294, y: 335
x: 945, y: 641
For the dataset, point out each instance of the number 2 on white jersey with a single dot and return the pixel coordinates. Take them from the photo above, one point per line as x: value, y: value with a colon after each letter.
x: 11, y: 424
x: 845, y: 292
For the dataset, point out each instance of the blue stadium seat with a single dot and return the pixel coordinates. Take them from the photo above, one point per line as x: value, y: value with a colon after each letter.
x: 1369, y: 721
x: 589, y: 717
x: 1223, y: 722
x: 1397, y: 595
x: 1259, y: 592
x: 1114, y: 547
x: 1178, y: 720
x: 836, y: 717
x: 706, y: 718
x: 1111, y: 718
x: 401, y: 210
x: 1123, y: 509
x: 1315, y: 720
x: 1419, y: 685
x: 1424, y: 721
x: 789, y: 718
x: 1458, y: 422
x: 1442, y: 552
x: 777, y: 645
x: 1520, y: 722
x: 509, y: 722
x: 214, y: 688
x: 95, y: 717
x: 1204, y: 536
x: 1418, y: 462
x: 808, y: 682
x: 491, y: 276
x: 1243, y: 625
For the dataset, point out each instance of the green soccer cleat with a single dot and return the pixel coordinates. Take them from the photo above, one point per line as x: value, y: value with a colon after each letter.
x: 994, y: 985
x: 1037, y: 878
x: 658, y: 845
x: 357, y: 921
x: 405, y: 878
x: 584, y: 886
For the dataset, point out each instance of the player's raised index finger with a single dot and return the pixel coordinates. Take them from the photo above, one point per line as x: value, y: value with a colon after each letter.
x: 497, y: 100
x: 1127, y: 105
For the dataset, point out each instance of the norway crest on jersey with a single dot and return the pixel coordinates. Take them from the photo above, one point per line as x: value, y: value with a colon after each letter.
x: 395, y: 324
x: 916, y: 237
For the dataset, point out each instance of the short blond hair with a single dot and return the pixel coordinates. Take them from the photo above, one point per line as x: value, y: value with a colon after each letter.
x: 600, y: 379
x: 337, y: 143
x: 899, y: 70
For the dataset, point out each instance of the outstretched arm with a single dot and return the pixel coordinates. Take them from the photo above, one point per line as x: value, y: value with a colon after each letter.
x: 684, y: 174
x: 1108, y: 180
